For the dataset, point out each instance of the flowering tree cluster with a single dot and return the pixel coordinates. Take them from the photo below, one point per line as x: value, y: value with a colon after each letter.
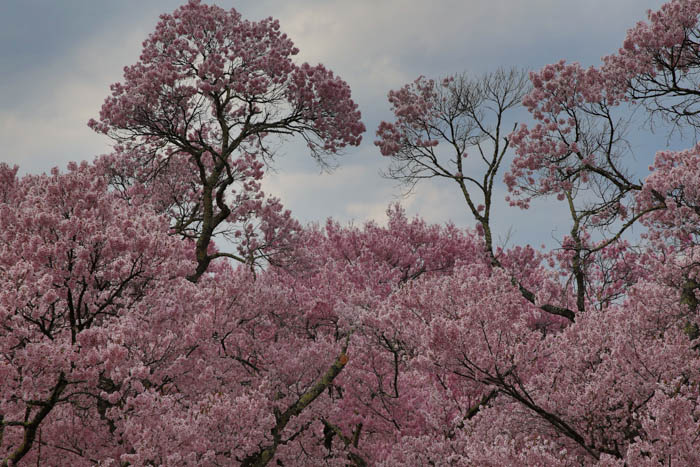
x: 599, y: 386
x: 128, y: 338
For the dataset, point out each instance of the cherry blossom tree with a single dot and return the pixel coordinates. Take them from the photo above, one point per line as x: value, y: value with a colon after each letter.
x: 85, y: 285
x: 190, y: 123
x: 110, y: 355
x: 627, y: 304
x: 123, y: 341
x: 193, y: 119
x: 657, y: 63
x: 437, y: 124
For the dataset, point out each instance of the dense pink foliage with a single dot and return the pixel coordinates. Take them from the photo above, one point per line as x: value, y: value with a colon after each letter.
x: 87, y: 285
x: 122, y: 341
x: 617, y: 385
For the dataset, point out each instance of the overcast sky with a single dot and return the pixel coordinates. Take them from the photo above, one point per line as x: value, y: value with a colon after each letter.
x: 58, y: 58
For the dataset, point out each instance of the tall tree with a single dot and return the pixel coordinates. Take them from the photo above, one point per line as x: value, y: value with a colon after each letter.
x: 193, y: 119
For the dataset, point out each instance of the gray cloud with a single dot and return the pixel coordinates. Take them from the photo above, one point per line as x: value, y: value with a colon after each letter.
x: 57, y: 60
